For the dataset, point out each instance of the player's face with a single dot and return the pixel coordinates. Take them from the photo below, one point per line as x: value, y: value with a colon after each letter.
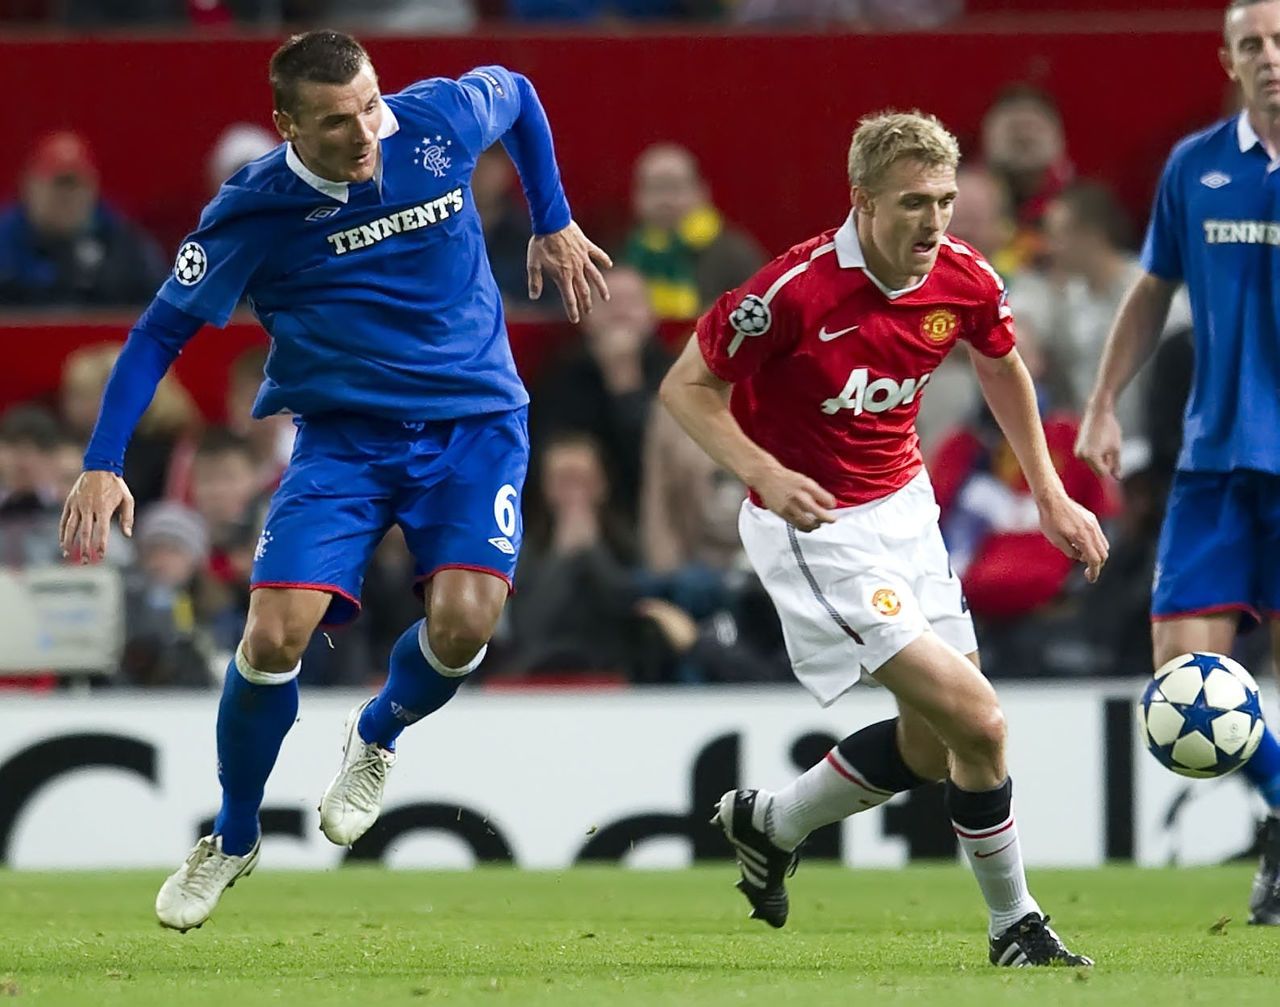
x: 906, y: 216
x: 1251, y: 56
x: 334, y: 127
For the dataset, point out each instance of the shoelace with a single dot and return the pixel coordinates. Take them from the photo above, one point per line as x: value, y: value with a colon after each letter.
x: 1039, y: 943
x: 202, y: 869
x: 368, y: 774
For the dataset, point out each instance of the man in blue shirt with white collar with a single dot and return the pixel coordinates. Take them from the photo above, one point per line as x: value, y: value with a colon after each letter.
x: 1216, y: 227
x: 359, y: 248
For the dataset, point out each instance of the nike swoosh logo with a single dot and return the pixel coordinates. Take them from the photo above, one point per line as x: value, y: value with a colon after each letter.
x: 826, y: 336
x: 983, y: 856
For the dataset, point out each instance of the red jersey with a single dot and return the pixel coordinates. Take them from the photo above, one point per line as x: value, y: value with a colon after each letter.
x: 828, y: 365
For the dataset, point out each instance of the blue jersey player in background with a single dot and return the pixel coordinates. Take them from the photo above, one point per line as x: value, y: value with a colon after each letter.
x: 359, y: 248
x: 1216, y: 228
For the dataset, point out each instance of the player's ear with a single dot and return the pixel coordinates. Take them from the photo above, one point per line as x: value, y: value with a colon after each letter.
x: 862, y: 201
x: 284, y: 124
x: 1224, y: 58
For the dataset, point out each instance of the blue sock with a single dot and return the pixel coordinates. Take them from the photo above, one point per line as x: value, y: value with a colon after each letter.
x: 252, y: 722
x: 414, y: 688
x: 1263, y: 770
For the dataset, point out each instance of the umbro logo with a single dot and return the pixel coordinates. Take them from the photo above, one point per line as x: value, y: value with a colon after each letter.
x: 503, y: 545
x: 322, y: 213
x: 826, y: 336
x: 1214, y: 179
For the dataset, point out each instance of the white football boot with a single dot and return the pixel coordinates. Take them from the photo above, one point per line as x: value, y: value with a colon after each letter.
x: 353, y: 800
x: 191, y: 893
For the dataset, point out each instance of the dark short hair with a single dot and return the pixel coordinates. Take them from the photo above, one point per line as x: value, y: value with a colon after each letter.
x: 1095, y: 206
x: 320, y: 57
x: 1235, y: 5
x: 1021, y: 93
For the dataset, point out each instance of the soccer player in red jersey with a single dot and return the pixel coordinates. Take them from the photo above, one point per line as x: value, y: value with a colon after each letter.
x: 805, y: 383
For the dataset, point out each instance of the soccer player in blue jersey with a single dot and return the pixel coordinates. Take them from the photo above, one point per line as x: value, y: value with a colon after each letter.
x: 360, y: 250
x: 1216, y: 228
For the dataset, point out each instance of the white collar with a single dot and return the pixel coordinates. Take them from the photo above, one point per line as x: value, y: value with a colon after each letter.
x: 1246, y: 135
x: 849, y: 255
x: 337, y: 190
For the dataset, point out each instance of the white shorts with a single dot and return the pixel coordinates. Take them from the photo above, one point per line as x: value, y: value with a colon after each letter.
x: 853, y: 593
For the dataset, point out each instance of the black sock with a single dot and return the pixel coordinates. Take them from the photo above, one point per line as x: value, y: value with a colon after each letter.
x: 874, y: 750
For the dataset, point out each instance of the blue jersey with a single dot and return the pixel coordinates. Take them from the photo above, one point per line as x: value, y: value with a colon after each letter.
x: 1216, y: 227
x: 378, y: 296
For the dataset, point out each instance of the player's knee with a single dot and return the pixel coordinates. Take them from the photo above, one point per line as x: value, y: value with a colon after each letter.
x: 981, y: 738
x: 456, y: 637
x: 274, y: 645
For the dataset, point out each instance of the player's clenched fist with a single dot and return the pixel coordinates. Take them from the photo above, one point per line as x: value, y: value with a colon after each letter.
x: 1076, y: 533
x: 795, y: 498
x: 86, y: 516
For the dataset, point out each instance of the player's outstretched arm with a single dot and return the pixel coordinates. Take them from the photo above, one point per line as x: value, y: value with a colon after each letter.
x: 574, y: 262
x: 699, y: 401
x: 100, y: 492
x: 1008, y: 389
x: 1131, y: 341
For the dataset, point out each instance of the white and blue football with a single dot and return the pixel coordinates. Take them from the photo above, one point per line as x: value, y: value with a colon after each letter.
x: 1202, y: 715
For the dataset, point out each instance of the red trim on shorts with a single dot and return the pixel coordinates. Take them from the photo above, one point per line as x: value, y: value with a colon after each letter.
x: 853, y: 777
x: 467, y: 566
x: 983, y: 835
x: 326, y: 588
x: 1234, y: 606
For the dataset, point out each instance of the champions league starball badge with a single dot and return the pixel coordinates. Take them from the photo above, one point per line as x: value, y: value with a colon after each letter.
x: 750, y: 318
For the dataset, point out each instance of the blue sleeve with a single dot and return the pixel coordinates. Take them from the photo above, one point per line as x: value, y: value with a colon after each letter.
x: 507, y: 108
x: 152, y: 345
x: 216, y: 262
x: 1162, y: 249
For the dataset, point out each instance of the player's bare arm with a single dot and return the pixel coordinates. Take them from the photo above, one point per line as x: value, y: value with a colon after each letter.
x: 1132, y: 339
x: 574, y: 262
x: 1008, y: 389
x: 699, y: 401
x: 93, y: 501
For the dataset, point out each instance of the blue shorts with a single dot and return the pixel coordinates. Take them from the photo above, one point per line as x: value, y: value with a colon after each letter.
x: 1220, y: 546
x: 453, y: 487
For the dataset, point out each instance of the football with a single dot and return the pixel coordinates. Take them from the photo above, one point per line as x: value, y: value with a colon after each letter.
x: 1201, y: 715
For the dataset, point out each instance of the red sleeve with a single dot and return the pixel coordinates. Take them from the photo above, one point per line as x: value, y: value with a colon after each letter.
x: 991, y: 332
x: 748, y: 327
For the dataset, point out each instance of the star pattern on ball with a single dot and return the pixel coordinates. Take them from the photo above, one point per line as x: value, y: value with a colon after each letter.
x: 1205, y: 662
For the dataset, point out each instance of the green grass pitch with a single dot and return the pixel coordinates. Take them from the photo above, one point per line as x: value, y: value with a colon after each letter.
x: 611, y: 937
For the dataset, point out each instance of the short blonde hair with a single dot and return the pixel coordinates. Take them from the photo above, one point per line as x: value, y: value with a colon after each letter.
x: 883, y: 139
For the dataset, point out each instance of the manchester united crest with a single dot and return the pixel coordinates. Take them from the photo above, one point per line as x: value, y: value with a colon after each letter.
x: 939, y: 326
x: 885, y: 601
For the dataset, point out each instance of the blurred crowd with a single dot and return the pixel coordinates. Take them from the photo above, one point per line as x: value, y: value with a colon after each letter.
x: 631, y: 571
x: 415, y: 16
